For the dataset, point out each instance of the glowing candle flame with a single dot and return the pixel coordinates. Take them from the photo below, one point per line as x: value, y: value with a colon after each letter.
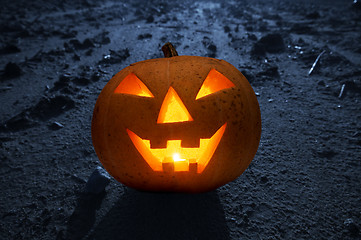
x: 176, y: 157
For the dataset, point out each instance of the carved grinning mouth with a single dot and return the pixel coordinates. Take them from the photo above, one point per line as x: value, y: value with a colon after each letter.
x: 176, y: 158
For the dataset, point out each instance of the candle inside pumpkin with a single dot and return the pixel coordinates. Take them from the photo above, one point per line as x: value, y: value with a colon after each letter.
x: 180, y: 164
x: 175, y: 163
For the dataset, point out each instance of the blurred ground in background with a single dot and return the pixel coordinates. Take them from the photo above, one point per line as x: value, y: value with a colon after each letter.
x: 304, y: 183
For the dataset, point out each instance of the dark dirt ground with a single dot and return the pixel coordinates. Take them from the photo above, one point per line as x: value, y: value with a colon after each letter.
x: 304, y: 182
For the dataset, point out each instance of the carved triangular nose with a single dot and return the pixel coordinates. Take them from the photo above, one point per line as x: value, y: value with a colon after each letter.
x: 173, y: 109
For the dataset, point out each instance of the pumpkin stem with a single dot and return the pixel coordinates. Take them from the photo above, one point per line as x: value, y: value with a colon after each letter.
x: 169, y: 50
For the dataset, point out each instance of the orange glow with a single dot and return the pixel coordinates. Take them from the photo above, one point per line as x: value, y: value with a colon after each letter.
x: 214, y: 82
x: 176, y: 158
x: 173, y: 109
x: 131, y: 84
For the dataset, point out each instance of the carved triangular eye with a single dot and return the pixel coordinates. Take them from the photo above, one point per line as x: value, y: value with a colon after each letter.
x: 131, y: 84
x: 214, y: 82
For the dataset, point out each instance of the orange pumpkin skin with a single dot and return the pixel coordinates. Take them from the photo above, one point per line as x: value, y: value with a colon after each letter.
x: 117, y: 113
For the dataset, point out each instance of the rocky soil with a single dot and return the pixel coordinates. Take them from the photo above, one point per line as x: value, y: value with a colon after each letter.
x: 302, y: 58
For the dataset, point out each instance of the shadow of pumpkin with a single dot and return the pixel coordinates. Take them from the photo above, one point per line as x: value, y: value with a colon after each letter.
x: 141, y: 215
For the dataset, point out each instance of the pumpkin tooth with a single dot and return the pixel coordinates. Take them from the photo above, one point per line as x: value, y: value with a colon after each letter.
x: 155, y: 144
x: 190, y: 143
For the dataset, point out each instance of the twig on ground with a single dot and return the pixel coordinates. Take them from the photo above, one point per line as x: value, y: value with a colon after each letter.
x: 315, y: 63
x: 5, y: 88
x: 341, y: 91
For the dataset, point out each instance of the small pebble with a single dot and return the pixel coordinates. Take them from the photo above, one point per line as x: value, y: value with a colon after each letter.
x: 351, y: 226
x: 97, y: 181
x: 12, y: 70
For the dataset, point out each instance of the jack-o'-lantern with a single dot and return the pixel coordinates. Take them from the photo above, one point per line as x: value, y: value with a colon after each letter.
x: 176, y: 124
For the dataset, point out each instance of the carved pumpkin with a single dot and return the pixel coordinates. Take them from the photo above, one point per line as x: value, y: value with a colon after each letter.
x: 179, y: 124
